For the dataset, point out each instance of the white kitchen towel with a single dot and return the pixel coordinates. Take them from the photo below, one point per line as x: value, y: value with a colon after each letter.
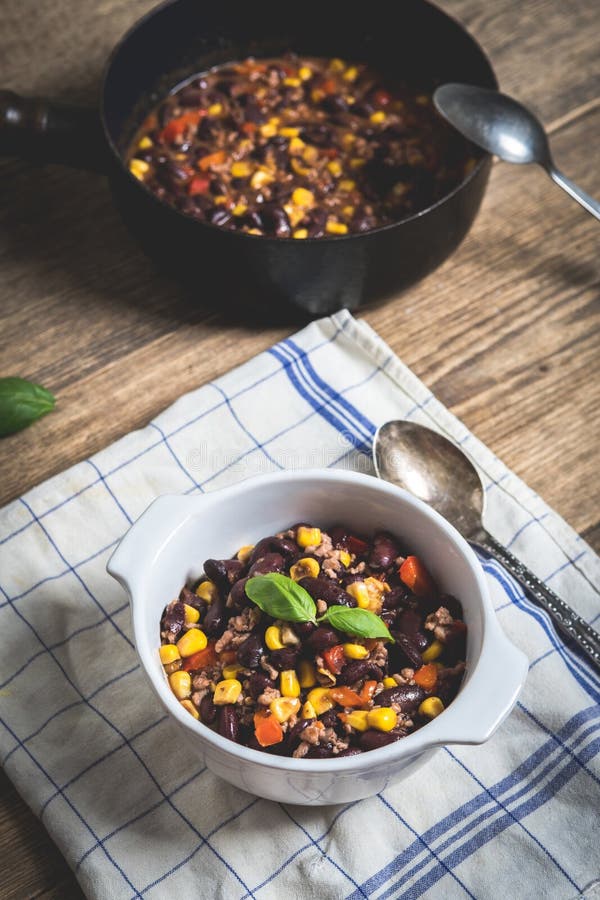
x: 88, y: 746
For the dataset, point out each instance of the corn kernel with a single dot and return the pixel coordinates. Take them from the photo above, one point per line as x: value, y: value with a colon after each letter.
x: 357, y: 719
x: 337, y: 65
x: 267, y: 130
x: 138, y: 168
x: 335, y: 167
x: 355, y: 651
x: 227, y: 691
x: 298, y: 168
x: 320, y: 699
x: 253, y: 231
x: 273, y: 638
x: 284, y: 707
x: 307, y: 537
x: 239, y: 209
x: 351, y: 74
x: 346, y: 184
x: 191, y: 615
x: 244, y: 552
x: 307, y: 675
x: 431, y: 707
x: 376, y: 589
x: 357, y: 163
x: 316, y: 95
x: 307, y: 567
x: 145, y: 143
x: 383, y: 719
x: 329, y: 676
x: 350, y: 100
x: 215, y: 109
x: 292, y: 82
x: 377, y: 117
x: 432, y: 652
x: 168, y: 653
x: 300, y: 234
x: 231, y: 671
x: 181, y: 684
x: 187, y: 704
x: 335, y: 227
x: 310, y: 154
x: 305, y: 73
x: 348, y: 211
x: 260, y: 178
x: 289, y: 132
x: 308, y: 711
x: 345, y: 558
x: 296, y: 145
x: 289, y: 684
x: 358, y: 590
x: 294, y: 213
x: 220, y: 199
x: 288, y: 636
x: 389, y: 682
x: 192, y: 642
x: 206, y: 590
x: 400, y: 189
x: 240, y: 169
x: 348, y: 139
x: 422, y: 99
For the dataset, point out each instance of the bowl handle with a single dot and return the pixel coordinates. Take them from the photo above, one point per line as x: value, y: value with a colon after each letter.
x: 148, y: 535
x: 500, y: 677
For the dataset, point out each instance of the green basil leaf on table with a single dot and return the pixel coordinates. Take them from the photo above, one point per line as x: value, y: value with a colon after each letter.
x: 359, y: 622
x: 21, y: 403
x: 281, y: 597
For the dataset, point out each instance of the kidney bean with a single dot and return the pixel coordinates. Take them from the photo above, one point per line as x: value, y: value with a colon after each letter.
x: 190, y: 96
x: 292, y: 738
x: 407, y: 696
x: 215, y: 618
x: 287, y: 548
x: 284, y: 659
x: 410, y: 622
x: 322, y: 638
x: 192, y: 599
x: 237, y: 596
x: 398, y: 596
x: 229, y: 724
x: 385, y: 551
x: 270, y: 562
x: 321, y: 588
x: 358, y: 670
x: 331, y: 720
x: 304, y: 629
x: 251, y: 650
x: 453, y: 605
x: 173, y: 618
x: 317, y: 219
x: 409, y: 651
x: 224, y: 572
x: 390, y: 617
x: 351, y: 751
x: 258, y: 683
x: 208, y: 710
x: 219, y: 216
x: 373, y: 740
x: 321, y: 751
x: 275, y: 220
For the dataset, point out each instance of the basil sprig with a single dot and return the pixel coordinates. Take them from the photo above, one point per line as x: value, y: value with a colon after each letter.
x: 283, y: 598
x: 21, y: 403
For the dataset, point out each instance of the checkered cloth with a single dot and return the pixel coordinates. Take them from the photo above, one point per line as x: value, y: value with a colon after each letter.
x: 88, y: 746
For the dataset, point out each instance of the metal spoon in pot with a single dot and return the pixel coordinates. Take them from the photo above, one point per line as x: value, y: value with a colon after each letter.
x: 504, y: 127
x: 437, y: 471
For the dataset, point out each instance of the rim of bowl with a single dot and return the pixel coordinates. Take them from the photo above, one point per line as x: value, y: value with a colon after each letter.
x: 410, y: 745
x: 484, y: 158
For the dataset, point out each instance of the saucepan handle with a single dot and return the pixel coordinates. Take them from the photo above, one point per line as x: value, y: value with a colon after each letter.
x: 43, y: 131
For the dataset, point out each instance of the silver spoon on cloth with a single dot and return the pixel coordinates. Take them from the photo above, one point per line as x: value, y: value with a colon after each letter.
x: 434, y: 469
x: 504, y: 127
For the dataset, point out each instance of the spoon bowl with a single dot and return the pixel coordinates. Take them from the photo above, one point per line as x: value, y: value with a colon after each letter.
x: 431, y: 467
x: 503, y: 126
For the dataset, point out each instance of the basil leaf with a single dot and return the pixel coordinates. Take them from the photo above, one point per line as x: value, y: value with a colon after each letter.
x: 21, y: 403
x: 281, y: 597
x: 360, y: 622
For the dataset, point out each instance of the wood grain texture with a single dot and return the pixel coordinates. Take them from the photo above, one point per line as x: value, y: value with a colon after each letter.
x: 506, y: 333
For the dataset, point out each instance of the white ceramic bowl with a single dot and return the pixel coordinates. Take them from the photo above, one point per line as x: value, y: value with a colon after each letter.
x: 170, y: 541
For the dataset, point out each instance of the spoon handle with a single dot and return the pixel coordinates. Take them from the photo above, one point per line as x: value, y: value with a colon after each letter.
x: 592, y: 206
x: 563, y: 616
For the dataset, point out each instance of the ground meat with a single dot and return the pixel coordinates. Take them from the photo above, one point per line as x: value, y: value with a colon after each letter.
x: 324, y: 550
x: 271, y: 672
x: 311, y: 733
x: 321, y: 607
x: 238, y: 630
x: 439, y: 622
x: 329, y: 736
x: 379, y: 655
x: 269, y: 694
x: 301, y: 750
x: 201, y: 682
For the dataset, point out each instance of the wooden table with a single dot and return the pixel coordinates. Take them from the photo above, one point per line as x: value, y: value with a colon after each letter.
x: 505, y: 333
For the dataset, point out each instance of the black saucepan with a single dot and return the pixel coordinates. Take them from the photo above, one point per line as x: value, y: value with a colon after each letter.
x: 412, y: 40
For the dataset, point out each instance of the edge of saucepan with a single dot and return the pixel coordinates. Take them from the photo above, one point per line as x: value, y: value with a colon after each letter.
x: 160, y: 8
x: 434, y: 734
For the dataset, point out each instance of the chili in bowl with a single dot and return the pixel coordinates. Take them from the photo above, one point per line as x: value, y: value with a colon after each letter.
x: 160, y: 554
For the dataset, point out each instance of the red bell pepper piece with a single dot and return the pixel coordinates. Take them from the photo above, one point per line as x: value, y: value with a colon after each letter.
x: 198, y: 185
x: 345, y: 696
x: 427, y: 676
x: 202, y: 659
x: 356, y: 545
x: 335, y: 658
x: 267, y: 729
x: 178, y: 126
x: 414, y: 574
x: 367, y: 692
x: 382, y: 98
